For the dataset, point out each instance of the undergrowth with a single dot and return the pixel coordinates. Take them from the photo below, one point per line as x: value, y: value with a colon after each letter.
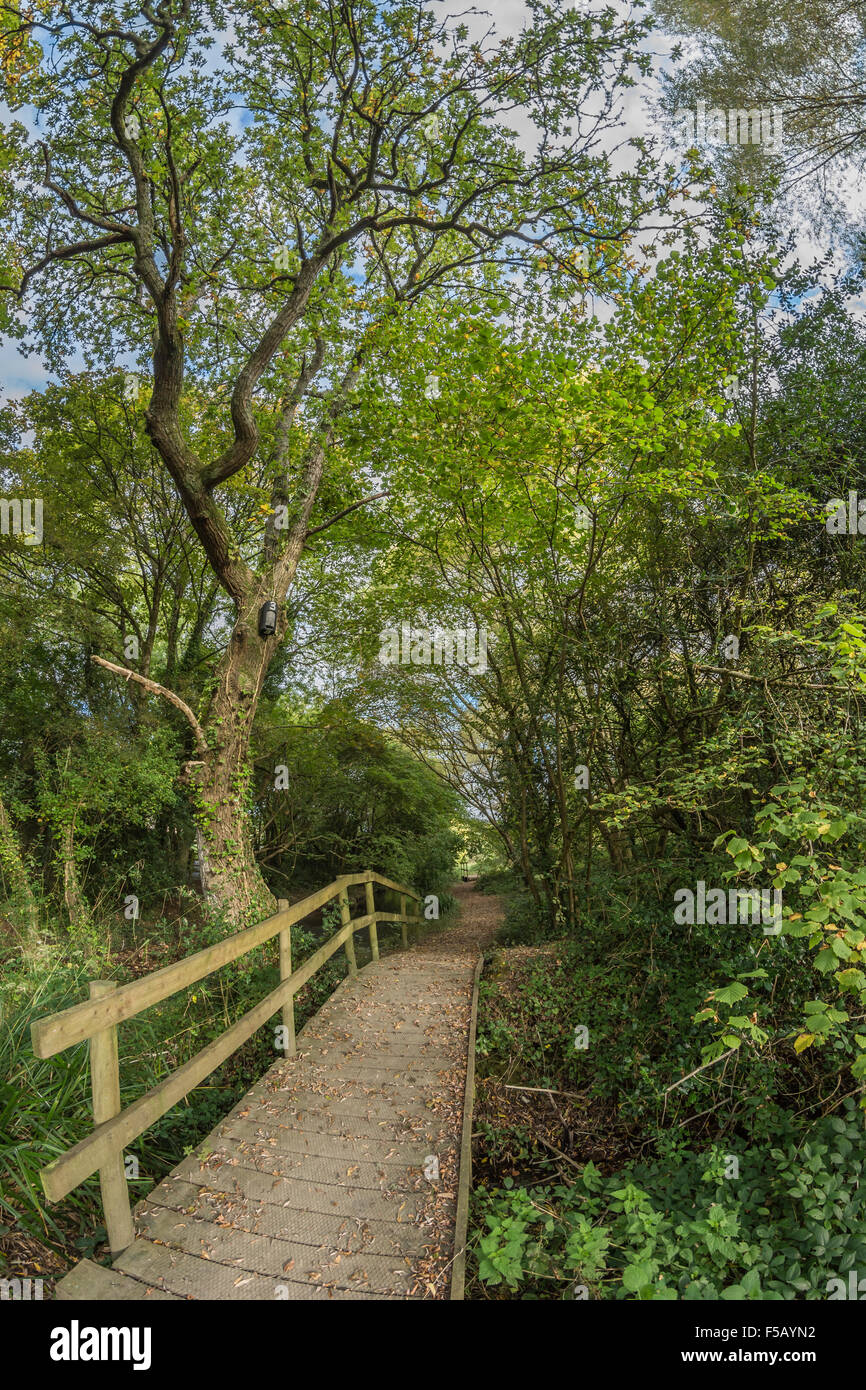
x: 611, y: 1162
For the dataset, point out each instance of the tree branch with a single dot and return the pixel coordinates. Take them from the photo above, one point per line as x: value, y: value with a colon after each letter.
x: 345, y: 512
x: 155, y: 689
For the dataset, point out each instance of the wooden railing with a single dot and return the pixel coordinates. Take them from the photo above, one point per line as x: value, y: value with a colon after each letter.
x: 110, y: 1004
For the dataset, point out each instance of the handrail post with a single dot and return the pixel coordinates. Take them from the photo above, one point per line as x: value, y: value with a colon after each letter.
x: 105, y: 1091
x: 403, y: 932
x: 371, y: 910
x: 346, y: 917
x: 285, y: 972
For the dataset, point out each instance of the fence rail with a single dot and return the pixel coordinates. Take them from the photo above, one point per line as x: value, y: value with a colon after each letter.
x: 109, y: 1004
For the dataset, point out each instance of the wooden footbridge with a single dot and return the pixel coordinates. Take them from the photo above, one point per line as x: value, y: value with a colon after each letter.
x: 344, y: 1173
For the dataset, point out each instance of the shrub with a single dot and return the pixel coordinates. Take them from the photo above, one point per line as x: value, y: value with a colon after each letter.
x: 734, y: 1223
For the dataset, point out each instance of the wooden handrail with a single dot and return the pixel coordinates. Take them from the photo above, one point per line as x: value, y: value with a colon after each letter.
x: 97, y: 1018
x: 56, y: 1032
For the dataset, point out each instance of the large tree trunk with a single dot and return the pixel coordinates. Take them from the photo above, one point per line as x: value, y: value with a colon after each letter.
x: 231, y: 878
x: 221, y: 773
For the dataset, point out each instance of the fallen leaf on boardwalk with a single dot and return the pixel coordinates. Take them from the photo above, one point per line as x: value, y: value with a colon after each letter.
x: 239, y: 1282
x: 290, y: 1264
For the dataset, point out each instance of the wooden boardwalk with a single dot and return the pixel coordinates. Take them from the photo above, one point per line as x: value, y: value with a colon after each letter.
x: 337, y: 1174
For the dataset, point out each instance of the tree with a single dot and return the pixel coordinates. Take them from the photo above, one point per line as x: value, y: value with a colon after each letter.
x: 245, y: 200
x: 559, y: 464
x: 804, y: 59
x: 14, y: 871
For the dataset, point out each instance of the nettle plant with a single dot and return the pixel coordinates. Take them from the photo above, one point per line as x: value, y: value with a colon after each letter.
x: 814, y: 845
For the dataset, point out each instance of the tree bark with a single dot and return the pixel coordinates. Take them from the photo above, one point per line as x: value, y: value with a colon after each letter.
x: 76, y: 905
x: 15, y: 873
x: 231, y: 878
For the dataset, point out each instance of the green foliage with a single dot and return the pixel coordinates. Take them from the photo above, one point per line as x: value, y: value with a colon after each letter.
x: 635, y: 984
x: 354, y: 799
x: 790, y: 1222
x: 526, y: 922
x: 808, y: 836
x: 290, y: 219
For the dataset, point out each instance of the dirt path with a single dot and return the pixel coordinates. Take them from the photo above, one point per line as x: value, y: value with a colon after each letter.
x: 480, y: 915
